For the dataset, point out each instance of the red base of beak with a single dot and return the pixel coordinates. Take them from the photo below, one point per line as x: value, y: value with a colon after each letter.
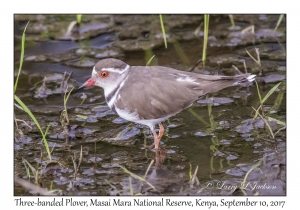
x: 90, y: 82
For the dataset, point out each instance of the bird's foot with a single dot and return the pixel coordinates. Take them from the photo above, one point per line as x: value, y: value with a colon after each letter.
x: 160, y: 156
x: 150, y: 147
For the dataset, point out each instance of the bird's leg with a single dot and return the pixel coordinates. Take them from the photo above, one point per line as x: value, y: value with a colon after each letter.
x: 160, y: 153
x: 159, y: 136
x: 155, y: 138
x: 161, y: 131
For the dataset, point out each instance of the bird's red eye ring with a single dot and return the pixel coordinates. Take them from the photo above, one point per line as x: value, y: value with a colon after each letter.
x: 104, y: 74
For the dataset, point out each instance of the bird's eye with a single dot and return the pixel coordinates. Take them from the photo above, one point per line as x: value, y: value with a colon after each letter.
x: 104, y: 74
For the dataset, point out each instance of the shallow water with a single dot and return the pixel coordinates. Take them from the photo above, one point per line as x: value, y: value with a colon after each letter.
x: 224, y: 145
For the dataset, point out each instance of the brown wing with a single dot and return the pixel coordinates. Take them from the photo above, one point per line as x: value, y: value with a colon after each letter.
x: 158, y: 92
x: 210, y: 83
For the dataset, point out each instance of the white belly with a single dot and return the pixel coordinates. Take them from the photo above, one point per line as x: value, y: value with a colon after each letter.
x: 134, y: 117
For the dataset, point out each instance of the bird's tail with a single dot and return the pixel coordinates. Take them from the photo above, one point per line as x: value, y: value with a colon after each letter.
x: 249, y: 78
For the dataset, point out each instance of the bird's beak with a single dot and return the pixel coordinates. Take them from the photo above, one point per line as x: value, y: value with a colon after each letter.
x: 90, y: 82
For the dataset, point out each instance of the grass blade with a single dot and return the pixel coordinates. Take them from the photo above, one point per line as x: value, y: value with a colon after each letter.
x: 82, y: 116
x: 149, y: 61
x: 270, y: 92
x: 16, y: 105
x: 37, y: 124
x: 66, y: 99
x: 33, y: 170
x: 137, y: 177
x: 198, y: 117
x: 278, y: 22
x: 163, y: 30
x: 151, y: 163
x: 266, y: 122
x: 256, y: 112
x: 21, y: 58
x: 258, y: 92
x: 78, y: 18
x: 279, y: 122
x: 180, y: 52
x: 231, y: 20
x: 130, y: 186
x: 194, y: 178
x: 190, y: 172
x: 65, y: 103
x: 47, y: 129
x: 205, y: 37
x: 256, y: 61
x: 251, y: 169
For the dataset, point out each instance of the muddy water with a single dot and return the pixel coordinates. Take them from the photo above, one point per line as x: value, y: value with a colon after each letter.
x: 216, y: 140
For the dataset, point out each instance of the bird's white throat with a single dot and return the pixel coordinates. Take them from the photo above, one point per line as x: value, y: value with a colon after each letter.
x: 113, y: 89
